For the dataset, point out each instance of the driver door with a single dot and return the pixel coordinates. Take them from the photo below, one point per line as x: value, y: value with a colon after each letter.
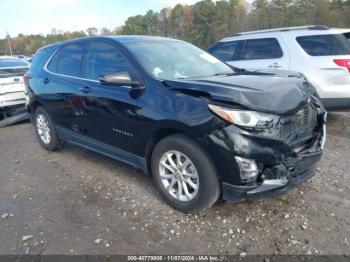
x: 108, y: 111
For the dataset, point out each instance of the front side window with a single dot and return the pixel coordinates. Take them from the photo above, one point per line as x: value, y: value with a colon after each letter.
x: 68, y: 60
x: 176, y: 60
x: 324, y: 45
x: 225, y: 51
x: 102, y: 59
x: 267, y: 48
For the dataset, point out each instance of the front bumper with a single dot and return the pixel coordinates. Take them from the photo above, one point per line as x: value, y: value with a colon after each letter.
x: 270, y: 188
x: 279, y: 178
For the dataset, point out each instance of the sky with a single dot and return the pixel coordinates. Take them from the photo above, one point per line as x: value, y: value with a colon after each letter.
x: 40, y: 16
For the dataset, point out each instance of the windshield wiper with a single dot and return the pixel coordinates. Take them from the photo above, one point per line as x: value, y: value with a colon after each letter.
x: 225, y: 74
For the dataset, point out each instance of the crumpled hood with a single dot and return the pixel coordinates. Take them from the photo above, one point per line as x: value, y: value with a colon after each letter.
x: 256, y: 91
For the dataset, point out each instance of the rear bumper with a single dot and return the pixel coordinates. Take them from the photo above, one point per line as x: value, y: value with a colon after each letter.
x: 336, y: 104
x: 11, y: 99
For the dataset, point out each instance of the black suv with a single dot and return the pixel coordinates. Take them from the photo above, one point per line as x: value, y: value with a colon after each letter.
x: 201, y: 128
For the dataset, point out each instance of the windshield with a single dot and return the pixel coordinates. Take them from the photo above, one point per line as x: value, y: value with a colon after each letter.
x: 12, y: 62
x: 170, y: 60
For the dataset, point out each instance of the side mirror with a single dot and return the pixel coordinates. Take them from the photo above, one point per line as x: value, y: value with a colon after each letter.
x: 119, y: 79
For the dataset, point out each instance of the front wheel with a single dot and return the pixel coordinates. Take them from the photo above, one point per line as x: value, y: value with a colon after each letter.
x: 184, y: 174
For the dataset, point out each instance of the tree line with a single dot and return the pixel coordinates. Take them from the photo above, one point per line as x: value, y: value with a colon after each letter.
x: 205, y: 22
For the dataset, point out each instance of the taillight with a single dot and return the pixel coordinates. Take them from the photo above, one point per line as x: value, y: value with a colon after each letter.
x: 26, y: 82
x: 343, y: 63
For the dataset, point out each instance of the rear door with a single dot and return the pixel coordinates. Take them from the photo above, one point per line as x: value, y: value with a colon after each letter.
x: 61, y: 85
x: 262, y: 53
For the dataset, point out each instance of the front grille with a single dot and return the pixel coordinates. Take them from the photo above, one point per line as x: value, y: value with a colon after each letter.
x: 299, y: 126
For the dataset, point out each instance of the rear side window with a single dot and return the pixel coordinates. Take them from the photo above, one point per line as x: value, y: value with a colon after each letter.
x: 40, y: 58
x: 324, y: 45
x: 266, y: 48
x: 347, y: 35
x: 225, y: 51
x: 68, y: 60
x: 104, y: 58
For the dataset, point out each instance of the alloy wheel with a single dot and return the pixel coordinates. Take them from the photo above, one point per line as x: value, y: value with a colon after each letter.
x: 178, y: 175
x: 42, y: 126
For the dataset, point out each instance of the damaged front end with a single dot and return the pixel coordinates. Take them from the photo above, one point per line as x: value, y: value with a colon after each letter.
x: 276, y: 157
x: 13, y: 98
x: 269, y: 132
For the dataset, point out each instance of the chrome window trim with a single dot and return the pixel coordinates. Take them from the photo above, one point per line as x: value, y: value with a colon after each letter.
x: 74, y: 77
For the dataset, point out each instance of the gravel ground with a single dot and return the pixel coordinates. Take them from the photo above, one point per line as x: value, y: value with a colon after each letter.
x: 78, y: 202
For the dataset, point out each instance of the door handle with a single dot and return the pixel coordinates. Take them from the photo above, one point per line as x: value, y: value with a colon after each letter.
x: 275, y: 65
x: 45, y: 80
x: 85, y: 89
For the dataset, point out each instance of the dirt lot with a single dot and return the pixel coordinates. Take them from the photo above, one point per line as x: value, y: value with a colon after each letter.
x: 77, y: 202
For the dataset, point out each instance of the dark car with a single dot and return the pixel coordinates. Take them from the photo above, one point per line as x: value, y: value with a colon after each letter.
x: 202, y: 129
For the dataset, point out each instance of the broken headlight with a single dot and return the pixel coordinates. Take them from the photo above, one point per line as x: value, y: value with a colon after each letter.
x: 245, y: 118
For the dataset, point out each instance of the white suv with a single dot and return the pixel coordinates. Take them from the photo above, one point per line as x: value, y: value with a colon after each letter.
x: 320, y: 53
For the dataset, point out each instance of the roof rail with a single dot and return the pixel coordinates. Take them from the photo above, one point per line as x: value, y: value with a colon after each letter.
x: 285, y: 29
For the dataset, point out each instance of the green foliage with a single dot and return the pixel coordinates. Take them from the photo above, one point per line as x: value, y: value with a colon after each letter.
x: 28, y: 44
x: 206, y: 21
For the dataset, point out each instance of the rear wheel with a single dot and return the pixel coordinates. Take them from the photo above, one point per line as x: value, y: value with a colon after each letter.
x: 45, y: 130
x: 184, y: 174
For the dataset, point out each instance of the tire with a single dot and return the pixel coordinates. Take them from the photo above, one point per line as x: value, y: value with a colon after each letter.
x: 204, y: 190
x: 43, y: 124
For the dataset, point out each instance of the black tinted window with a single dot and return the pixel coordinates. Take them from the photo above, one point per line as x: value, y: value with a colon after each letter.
x: 347, y: 35
x: 104, y: 59
x: 324, y: 45
x: 267, y: 48
x: 40, y: 58
x: 52, y: 66
x: 68, y: 61
x: 225, y: 51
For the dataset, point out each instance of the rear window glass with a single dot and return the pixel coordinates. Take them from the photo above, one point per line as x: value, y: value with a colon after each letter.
x: 12, y: 62
x: 225, y: 51
x: 324, y: 45
x: 265, y: 48
x: 40, y: 58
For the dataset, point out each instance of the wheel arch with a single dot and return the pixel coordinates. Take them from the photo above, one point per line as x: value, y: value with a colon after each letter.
x: 34, y: 105
x: 154, y: 139
x: 161, y: 133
